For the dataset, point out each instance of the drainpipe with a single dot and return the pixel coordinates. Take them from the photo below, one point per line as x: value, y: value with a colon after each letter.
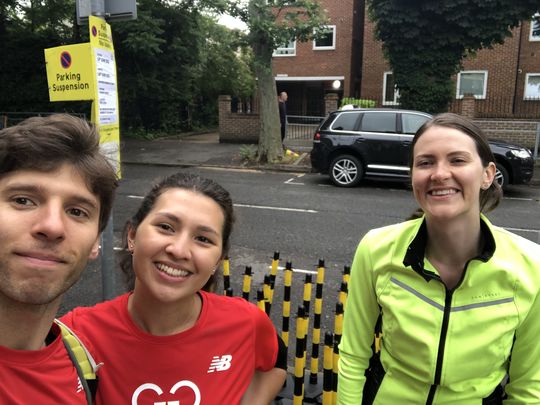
x: 517, y: 70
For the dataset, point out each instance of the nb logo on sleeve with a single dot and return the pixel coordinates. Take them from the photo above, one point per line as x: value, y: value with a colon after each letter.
x: 220, y: 363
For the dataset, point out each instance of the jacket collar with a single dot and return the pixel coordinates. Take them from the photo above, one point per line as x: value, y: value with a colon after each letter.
x: 414, y: 257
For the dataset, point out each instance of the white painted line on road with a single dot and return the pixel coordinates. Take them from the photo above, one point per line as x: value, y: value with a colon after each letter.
x: 292, y: 180
x: 296, y: 270
x: 517, y: 198
x: 264, y: 207
x: 521, y: 230
x: 138, y: 197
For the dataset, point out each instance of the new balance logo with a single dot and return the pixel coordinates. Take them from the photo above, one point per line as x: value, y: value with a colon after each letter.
x: 220, y: 363
x: 79, y: 385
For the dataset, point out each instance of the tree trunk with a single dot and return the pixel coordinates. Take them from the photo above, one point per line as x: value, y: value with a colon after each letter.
x: 270, y: 146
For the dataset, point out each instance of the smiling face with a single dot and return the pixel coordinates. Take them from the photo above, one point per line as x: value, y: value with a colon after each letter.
x: 447, y: 174
x: 178, y: 245
x: 48, y: 231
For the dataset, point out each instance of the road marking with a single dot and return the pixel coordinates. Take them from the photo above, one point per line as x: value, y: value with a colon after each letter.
x: 517, y: 198
x: 296, y: 270
x: 521, y: 229
x: 292, y: 180
x: 264, y: 207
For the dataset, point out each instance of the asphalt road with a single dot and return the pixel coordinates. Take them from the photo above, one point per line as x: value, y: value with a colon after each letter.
x: 304, y: 218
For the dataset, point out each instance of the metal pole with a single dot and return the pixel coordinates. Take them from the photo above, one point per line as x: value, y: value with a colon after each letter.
x: 107, y: 261
x: 107, y: 237
x: 537, y: 141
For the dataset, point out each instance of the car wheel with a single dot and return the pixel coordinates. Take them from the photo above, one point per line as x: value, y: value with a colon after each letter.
x: 501, y: 176
x: 346, y: 171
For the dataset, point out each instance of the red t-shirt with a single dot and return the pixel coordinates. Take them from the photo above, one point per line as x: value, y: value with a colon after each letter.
x: 45, y: 376
x: 211, y: 363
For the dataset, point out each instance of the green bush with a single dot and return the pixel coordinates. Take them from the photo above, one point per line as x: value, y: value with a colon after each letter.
x: 248, y: 153
x: 358, y: 102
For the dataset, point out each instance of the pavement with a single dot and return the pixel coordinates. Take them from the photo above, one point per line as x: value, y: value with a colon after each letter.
x: 205, y: 150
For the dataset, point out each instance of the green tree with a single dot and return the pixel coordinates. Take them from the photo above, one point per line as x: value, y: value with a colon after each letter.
x: 272, y: 24
x: 425, y: 41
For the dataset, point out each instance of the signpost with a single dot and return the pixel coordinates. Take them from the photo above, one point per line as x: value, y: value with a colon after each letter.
x: 88, y: 72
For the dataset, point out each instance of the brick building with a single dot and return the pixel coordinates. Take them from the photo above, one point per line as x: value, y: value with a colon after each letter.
x: 505, y: 80
x: 309, y: 70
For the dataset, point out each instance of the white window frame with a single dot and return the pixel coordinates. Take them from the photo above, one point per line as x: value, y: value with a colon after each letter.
x: 396, y: 91
x: 284, y: 51
x: 525, y: 96
x: 534, y: 38
x: 326, y: 48
x: 484, y: 90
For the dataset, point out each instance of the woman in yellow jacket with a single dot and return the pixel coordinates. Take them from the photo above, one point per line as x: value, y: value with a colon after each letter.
x: 457, y: 298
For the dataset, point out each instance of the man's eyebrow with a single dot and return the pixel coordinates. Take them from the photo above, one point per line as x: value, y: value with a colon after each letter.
x: 32, y: 188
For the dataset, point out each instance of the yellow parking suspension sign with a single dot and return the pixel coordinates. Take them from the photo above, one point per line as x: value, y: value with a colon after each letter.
x: 69, y: 73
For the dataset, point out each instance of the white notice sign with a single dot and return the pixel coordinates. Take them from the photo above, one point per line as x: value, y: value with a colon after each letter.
x: 106, y: 85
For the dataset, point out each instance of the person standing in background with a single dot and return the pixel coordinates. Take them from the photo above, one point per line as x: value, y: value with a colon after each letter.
x: 283, y: 113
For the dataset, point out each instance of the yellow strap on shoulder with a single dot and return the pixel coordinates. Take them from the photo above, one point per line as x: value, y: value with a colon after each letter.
x: 84, y: 359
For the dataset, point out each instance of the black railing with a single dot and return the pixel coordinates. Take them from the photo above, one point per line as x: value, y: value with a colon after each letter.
x: 302, y: 127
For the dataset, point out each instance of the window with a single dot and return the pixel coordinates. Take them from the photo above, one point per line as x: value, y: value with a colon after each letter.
x: 535, y: 28
x: 532, y: 86
x: 328, y: 39
x: 288, y: 49
x: 411, y: 122
x: 390, y: 92
x: 345, y: 122
x: 379, y: 122
x: 472, y: 82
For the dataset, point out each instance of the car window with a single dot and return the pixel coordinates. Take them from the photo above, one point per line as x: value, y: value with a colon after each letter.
x: 345, y: 122
x: 411, y: 122
x: 379, y: 122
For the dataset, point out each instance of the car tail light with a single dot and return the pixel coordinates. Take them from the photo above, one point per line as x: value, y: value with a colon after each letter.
x: 317, y: 136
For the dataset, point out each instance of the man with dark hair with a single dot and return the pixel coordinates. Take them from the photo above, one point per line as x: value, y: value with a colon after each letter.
x: 56, y: 195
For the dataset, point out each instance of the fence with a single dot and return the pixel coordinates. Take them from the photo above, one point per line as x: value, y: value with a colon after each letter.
x: 297, y: 311
x: 302, y: 127
x: 501, y: 107
x: 8, y: 119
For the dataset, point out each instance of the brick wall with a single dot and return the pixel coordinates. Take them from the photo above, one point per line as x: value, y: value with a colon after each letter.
x: 514, y: 131
x: 236, y: 127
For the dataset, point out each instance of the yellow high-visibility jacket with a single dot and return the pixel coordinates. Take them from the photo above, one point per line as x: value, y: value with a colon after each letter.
x: 442, y: 346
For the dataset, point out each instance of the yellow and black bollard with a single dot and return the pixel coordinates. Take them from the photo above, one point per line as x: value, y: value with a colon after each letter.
x: 287, y: 281
x: 300, y: 358
x: 343, y: 293
x: 268, y: 293
x: 338, y: 328
x: 226, y: 275
x: 346, y: 274
x: 246, y: 286
x: 328, y: 369
x: 307, y: 293
x: 273, y: 272
x: 316, y: 338
x: 261, y: 301
x: 229, y: 292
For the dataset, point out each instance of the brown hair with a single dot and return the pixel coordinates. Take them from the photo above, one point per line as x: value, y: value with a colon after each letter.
x: 489, y: 198
x: 45, y: 143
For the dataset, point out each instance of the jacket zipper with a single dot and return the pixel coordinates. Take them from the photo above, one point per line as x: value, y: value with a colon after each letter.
x: 442, y: 342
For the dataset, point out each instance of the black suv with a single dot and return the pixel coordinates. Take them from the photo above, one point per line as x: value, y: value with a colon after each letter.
x: 352, y: 144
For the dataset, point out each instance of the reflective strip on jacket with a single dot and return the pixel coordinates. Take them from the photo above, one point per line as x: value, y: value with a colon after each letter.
x: 441, y: 346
